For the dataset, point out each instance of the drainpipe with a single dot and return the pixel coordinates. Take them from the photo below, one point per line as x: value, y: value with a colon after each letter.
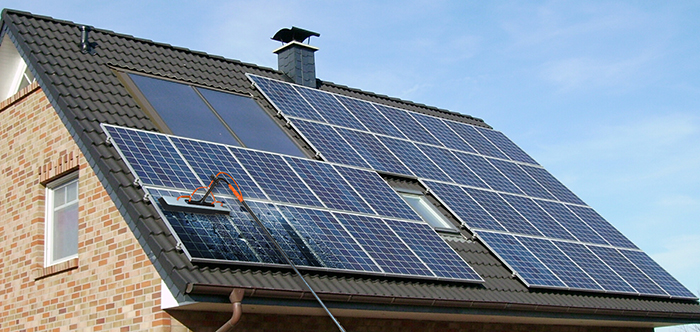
x: 236, y: 297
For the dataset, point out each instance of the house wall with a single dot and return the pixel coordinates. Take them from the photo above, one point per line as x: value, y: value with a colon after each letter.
x: 112, y: 284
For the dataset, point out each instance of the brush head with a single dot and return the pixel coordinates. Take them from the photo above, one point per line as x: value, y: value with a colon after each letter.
x: 183, y: 205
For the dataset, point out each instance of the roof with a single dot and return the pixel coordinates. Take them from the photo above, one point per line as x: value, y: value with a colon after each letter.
x: 85, y: 92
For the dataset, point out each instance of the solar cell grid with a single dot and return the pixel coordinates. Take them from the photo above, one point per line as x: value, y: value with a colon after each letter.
x: 521, y: 179
x: 377, y: 193
x: 275, y: 177
x: 506, y: 145
x: 572, y: 223
x: 489, y: 174
x: 153, y: 158
x: 330, y: 108
x: 328, y: 185
x: 414, y: 159
x: 387, y: 250
x: 330, y: 144
x: 521, y: 261
x: 603, y: 274
x: 286, y: 99
x: 538, y: 217
x: 334, y: 246
x: 433, y: 250
x: 658, y: 274
x: 406, y: 124
x: 463, y: 206
x: 370, y: 117
x: 443, y: 133
x: 602, y: 227
x: 559, y: 263
x: 627, y: 270
x: 374, y: 152
x: 503, y: 212
x: 553, y: 185
x: 476, y: 140
x: 452, y: 166
x: 209, y: 159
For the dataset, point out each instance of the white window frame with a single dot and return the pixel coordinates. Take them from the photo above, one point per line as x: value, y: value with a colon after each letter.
x: 438, y: 221
x: 49, y: 217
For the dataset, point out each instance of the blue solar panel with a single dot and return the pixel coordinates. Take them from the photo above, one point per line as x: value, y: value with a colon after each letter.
x: 604, y: 228
x: 463, y: 206
x: 658, y: 274
x: 504, y: 213
x: 538, y: 217
x: 334, y: 247
x: 377, y: 193
x: 153, y: 158
x: 559, y: 264
x: 520, y: 260
x: 209, y: 159
x: 433, y: 250
x: 275, y: 177
x: 487, y: 172
x: 506, y: 145
x: 572, y: 223
x: 476, y: 140
x: 373, y: 151
x: 328, y: 185
x: 452, y: 166
x: 330, y: 144
x: 370, y: 117
x: 285, y: 98
x: 402, y: 120
x: 330, y: 108
x: 443, y: 133
x: 414, y: 159
x: 382, y: 244
x: 521, y: 179
x: 552, y: 184
x: 627, y: 270
x: 601, y: 273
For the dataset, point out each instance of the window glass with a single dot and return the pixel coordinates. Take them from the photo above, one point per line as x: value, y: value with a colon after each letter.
x: 427, y: 211
x: 184, y: 112
x: 62, y: 222
x: 251, y: 124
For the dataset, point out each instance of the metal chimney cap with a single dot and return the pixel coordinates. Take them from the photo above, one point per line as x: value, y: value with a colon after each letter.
x: 294, y: 34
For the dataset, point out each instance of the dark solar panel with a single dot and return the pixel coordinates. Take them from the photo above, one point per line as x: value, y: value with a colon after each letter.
x: 487, y: 173
x: 330, y: 144
x: 414, y: 159
x: 602, y: 227
x: 525, y: 182
x: 373, y: 120
x: 627, y: 270
x: 406, y: 124
x: 538, y: 217
x: 599, y: 271
x: 506, y: 145
x: 571, y: 222
x: 503, y: 212
x: 286, y: 98
x: 463, y: 206
x: 452, y: 166
x: 330, y: 108
x: 476, y: 140
x: 658, y: 274
x: 374, y: 152
x: 443, y: 133
x: 552, y: 184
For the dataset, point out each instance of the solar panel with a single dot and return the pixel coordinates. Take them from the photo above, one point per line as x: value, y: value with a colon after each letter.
x: 599, y: 271
x: 330, y: 144
x: 276, y: 178
x: 443, y: 133
x: 658, y: 274
x: 476, y: 140
x: 406, y: 124
x: 377, y: 193
x: 373, y: 151
x: 525, y: 182
x: 452, y: 166
x: 209, y: 159
x: 538, y: 217
x: 507, y: 146
x: 433, y: 250
x: 572, y: 223
x: 627, y: 270
x: 414, y: 159
x: 552, y: 184
x: 328, y: 185
x: 463, y: 206
x: 487, y: 173
x: 520, y: 260
x: 153, y: 159
x: 502, y: 211
x: 370, y: 117
x: 330, y: 108
x: 557, y: 262
x: 602, y: 227
x: 382, y: 244
x: 285, y: 98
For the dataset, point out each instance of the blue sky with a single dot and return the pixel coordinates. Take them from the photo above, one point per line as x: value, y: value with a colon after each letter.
x: 606, y: 95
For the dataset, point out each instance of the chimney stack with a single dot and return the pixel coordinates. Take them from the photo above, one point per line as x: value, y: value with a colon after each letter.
x: 295, y: 58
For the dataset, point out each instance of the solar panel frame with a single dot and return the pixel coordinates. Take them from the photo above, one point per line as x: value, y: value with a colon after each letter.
x: 556, y: 188
x: 658, y: 274
x: 463, y: 206
x: 407, y: 125
x: 330, y: 108
x: 571, y: 222
x: 370, y: 117
x: 538, y: 217
x: 475, y: 139
x: 602, y: 227
x: 499, y: 208
x: 323, y: 138
x: 442, y: 132
x: 505, y: 145
x: 285, y: 98
x: 374, y: 152
x: 487, y: 172
x: 419, y: 164
x: 521, y: 179
x: 452, y: 166
x: 628, y: 271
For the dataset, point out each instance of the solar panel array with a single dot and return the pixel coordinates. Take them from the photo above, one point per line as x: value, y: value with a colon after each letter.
x: 325, y: 216
x: 547, y: 235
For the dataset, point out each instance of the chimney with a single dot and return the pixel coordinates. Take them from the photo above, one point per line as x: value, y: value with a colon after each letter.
x: 295, y: 58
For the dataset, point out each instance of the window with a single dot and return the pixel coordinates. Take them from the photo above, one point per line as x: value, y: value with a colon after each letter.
x: 61, y: 243
x: 14, y: 73
x: 427, y: 211
x: 212, y: 115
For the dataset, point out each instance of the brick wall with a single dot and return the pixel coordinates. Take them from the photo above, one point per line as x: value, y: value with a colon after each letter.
x: 112, y: 285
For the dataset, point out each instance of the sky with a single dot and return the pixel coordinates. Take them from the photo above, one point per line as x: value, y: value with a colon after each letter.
x: 604, y: 94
